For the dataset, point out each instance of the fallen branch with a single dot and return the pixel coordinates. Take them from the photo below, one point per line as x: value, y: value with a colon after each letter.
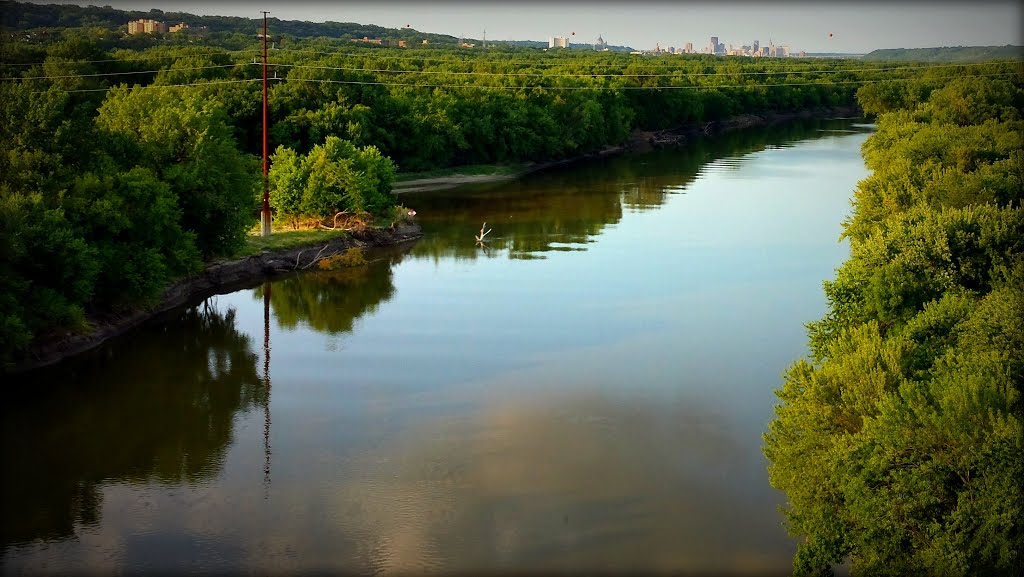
x: 335, y: 227
x: 482, y: 233
x: 317, y: 257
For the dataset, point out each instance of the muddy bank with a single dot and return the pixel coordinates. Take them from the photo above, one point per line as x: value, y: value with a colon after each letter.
x: 218, y: 277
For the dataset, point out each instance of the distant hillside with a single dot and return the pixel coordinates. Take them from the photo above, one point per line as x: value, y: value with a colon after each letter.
x: 834, y: 55
x: 23, y: 16
x: 948, y: 54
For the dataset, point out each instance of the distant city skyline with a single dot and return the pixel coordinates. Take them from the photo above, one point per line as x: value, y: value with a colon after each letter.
x: 855, y: 27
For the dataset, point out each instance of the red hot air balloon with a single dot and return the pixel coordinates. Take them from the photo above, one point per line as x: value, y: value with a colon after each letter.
x: 830, y: 35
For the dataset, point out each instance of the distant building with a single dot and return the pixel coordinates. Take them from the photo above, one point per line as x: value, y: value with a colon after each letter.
x: 689, y: 47
x: 368, y: 40
x: 178, y: 27
x: 146, y: 26
x: 558, y: 42
x: 599, y: 45
x: 425, y: 41
x: 713, y: 47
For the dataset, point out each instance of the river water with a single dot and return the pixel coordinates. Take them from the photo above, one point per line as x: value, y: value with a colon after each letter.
x: 585, y: 390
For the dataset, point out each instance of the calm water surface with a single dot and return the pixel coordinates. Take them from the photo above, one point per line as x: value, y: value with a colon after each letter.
x: 587, y: 390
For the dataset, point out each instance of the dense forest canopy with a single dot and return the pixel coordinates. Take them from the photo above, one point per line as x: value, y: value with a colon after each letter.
x: 899, y: 442
x: 131, y: 160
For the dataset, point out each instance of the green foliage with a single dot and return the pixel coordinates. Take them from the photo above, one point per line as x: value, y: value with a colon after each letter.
x: 899, y: 446
x: 335, y: 176
x: 47, y: 271
x: 186, y: 139
x: 132, y: 219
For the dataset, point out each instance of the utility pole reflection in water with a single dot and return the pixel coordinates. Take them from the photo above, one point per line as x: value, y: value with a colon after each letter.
x: 266, y: 384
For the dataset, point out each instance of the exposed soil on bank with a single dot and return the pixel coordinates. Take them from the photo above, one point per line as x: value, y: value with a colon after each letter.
x: 639, y: 141
x: 218, y: 277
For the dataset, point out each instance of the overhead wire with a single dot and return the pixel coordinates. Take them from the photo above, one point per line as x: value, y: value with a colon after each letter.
x: 613, y: 88
x: 523, y: 87
x: 141, y: 57
x: 101, y: 74
x: 623, y: 75
x: 583, y: 75
x: 559, y: 60
x: 147, y: 86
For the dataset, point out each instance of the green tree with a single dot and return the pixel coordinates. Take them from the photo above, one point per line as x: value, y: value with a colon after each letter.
x: 900, y: 443
x: 184, y: 136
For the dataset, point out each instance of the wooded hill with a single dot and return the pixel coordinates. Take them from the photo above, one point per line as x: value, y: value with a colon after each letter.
x: 948, y: 54
x: 25, y: 17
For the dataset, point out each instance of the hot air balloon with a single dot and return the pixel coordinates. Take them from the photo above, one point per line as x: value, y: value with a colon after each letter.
x: 830, y: 35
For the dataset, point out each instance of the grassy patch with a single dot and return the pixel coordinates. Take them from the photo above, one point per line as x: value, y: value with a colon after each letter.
x: 285, y: 239
x: 468, y: 170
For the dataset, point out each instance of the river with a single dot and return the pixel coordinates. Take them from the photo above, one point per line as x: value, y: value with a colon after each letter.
x: 584, y: 390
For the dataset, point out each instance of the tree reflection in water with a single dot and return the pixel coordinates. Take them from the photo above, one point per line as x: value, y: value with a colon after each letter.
x: 118, y: 416
x: 565, y: 208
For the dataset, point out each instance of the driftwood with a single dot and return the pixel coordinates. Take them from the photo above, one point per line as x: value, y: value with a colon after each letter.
x: 480, y: 238
x: 315, y: 258
x: 335, y: 227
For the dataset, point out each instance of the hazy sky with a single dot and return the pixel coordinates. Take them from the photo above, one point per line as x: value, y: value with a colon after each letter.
x: 805, y: 25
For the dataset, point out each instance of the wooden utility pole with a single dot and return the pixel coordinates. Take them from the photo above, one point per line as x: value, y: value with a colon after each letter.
x: 265, y: 212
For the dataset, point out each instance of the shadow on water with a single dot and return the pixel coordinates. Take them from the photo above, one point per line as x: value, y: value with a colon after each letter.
x: 119, y: 416
x: 158, y: 404
x: 565, y: 208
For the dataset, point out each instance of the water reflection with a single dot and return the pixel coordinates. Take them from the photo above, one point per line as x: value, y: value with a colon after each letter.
x: 564, y: 482
x: 119, y: 417
x: 332, y: 301
x: 565, y: 209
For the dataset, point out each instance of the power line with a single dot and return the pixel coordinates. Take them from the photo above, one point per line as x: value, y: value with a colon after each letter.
x: 142, y: 57
x: 98, y: 74
x: 148, y: 86
x: 523, y: 87
x: 550, y: 60
x: 598, y: 88
x: 680, y: 73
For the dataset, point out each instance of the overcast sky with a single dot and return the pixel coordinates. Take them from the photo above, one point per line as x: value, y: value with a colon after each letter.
x: 855, y: 26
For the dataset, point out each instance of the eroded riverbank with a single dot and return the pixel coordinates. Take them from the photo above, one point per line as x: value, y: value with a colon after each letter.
x: 218, y: 277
